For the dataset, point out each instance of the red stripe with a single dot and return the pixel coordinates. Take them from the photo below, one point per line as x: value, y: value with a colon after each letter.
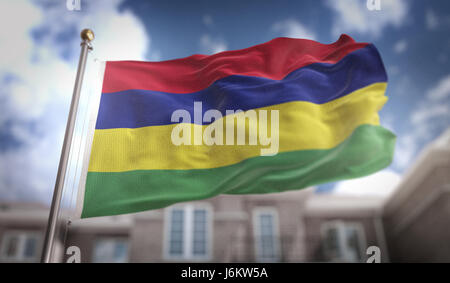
x: 273, y: 60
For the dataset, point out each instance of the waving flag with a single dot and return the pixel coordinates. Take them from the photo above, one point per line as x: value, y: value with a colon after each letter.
x: 327, y: 97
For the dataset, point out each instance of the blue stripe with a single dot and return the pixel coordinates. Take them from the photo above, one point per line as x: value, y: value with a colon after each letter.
x: 317, y: 83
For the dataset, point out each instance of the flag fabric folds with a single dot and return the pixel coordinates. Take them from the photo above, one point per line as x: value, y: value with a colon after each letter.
x: 327, y: 96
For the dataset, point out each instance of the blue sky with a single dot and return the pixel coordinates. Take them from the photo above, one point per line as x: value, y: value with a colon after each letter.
x: 41, y: 45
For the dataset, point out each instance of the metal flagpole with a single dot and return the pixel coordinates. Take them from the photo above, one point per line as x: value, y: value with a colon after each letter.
x: 87, y: 36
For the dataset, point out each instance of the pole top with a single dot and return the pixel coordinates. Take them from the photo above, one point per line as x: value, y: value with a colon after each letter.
x: 87, y: 35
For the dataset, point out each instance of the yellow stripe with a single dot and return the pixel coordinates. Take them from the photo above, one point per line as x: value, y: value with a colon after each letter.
x: 302, y: 126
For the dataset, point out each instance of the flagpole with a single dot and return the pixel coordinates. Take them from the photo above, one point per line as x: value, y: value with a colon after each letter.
x: 87, y: 36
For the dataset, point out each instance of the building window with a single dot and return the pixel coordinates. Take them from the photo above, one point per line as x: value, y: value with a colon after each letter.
x: 343, y: 241
x: 20, y: 246
x: 111, y: 250
x: 176, y: 232
x: 199, y: 233
x: 266, y: 233
x: 189, y: 232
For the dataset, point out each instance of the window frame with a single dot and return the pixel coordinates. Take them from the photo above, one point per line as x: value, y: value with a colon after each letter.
x: 22, y: 236
x: 344, y: 250
x: 188, y: 232
x: 276, y: 233
x: 109, y: 238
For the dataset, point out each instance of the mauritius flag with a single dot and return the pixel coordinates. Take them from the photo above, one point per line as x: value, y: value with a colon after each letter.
x: 326, y: 97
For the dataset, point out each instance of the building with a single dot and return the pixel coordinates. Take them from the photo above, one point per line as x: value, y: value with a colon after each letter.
x: 297, y: 226
x: 417, y: 216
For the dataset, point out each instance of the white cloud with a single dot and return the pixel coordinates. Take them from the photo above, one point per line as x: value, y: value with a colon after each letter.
x: 16, y: 55
x: 212, y: 45
x: 436, y: 105
x: 387, y: 121
x: 431, y: 20
x: 441, y: 91
x: 38, y: 77
x: 119, y: 35
x: 294, y: 29
x: 380, y: 184
x: 405, y: 149
x: 400, y: 46
x: 208, y: 21
x: 431, y: 114
x: 428, y: 112
x: 353, y: 16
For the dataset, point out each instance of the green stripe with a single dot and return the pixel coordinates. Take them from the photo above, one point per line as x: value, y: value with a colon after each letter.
x: 369, y: 149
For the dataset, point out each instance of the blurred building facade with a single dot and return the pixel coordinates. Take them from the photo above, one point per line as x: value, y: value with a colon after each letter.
x: 298, y: 226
